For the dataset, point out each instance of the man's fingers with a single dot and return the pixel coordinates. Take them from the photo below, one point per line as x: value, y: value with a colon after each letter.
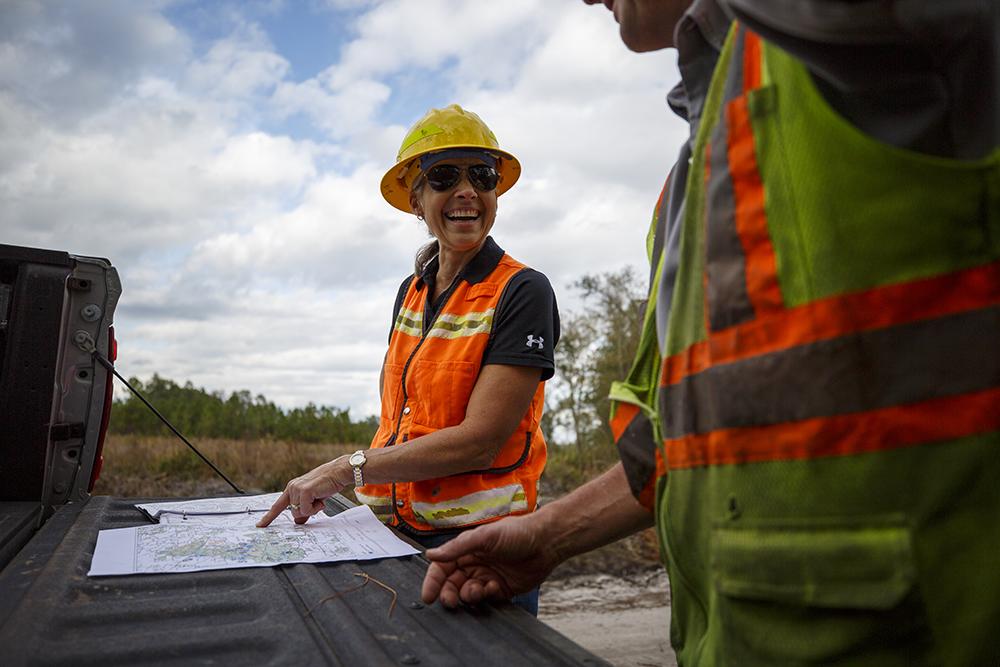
x: 277, y: 508
x: 472, y: 592
x: 434, y: 580
x: 460, y: 571
x: 439, y: 585
x: 449, y: 596
x: 466, y: 543
x: 493, y: 590
x: 454, y: 584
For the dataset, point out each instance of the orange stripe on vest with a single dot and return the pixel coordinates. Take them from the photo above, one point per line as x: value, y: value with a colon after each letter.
x: 623, y: 417
x: 927, y: 298
x: 889, y: 428
x: 750, y: 216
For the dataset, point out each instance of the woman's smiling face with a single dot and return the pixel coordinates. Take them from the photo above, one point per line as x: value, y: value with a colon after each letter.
x: 461, y: 217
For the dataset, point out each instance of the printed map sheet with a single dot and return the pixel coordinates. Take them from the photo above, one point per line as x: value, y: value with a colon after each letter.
x: 354, y: 534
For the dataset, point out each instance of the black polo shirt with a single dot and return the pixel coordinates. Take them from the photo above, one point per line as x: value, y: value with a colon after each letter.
x: 526, y: 321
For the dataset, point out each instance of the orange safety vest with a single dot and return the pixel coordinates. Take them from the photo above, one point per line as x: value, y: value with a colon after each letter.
x: 430, y: 371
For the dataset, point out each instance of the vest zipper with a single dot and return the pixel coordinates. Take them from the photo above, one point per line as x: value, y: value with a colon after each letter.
x: 406, y: 367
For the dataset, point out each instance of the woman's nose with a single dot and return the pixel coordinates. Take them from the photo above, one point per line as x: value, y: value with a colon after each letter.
x: 464, y: 186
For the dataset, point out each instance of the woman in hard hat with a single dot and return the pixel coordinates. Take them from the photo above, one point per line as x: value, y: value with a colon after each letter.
x: 459, y: 442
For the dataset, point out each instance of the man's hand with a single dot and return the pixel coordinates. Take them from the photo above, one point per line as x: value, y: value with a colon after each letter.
x: 495, y: 561
x: 305, y: 495
x: 514, y: 555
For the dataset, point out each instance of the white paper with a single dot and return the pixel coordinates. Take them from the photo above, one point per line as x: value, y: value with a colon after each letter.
x: 239, y: 511
x: 354, y: 534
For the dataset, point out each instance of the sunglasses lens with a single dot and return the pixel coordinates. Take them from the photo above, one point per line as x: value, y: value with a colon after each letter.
x: 443, y: 177
x: 483, y: 177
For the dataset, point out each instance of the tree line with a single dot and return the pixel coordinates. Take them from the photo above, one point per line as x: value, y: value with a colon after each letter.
x: 199, y: 413
x: 595, y: 348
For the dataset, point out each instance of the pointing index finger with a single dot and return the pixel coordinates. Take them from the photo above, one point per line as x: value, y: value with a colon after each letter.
x: 279, y: 506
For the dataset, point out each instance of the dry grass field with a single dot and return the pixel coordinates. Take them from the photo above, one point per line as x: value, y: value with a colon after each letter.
x: 154, y: 467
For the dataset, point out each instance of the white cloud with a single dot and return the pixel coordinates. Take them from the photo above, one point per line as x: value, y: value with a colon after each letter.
x: 68, y: 59
x: 259, y: 160
x: 238, y: 67
x: 345, y: 113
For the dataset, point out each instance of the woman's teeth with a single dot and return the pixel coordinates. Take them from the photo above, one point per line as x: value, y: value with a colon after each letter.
x: 462, y: 215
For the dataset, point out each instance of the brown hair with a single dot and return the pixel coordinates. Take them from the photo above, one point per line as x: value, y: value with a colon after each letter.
x: 428, y: 251
x: 424, y: 256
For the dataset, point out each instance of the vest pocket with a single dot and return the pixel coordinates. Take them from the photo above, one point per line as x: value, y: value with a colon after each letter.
x: 440, y: 391
x: 794, y: 592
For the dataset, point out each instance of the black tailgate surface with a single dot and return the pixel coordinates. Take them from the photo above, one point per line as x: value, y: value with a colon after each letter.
x: 52, y: 613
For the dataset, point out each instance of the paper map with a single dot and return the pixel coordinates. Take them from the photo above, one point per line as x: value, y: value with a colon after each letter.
x: 354, y: 534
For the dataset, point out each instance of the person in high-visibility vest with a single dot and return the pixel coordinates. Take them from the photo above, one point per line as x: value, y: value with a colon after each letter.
x: 813, y: 417
x: 459, y: 442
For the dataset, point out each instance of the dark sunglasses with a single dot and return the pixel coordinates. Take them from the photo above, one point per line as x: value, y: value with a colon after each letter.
x: 443, y: 177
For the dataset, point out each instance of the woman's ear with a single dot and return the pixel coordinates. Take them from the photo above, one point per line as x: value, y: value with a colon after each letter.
x: 415, y: 206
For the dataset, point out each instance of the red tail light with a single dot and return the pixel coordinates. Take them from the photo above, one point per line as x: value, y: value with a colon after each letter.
x: 108, y: 392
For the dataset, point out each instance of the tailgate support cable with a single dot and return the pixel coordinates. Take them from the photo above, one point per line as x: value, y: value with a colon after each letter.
x: 111, y: 367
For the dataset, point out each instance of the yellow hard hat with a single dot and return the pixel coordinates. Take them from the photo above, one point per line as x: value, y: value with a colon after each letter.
x: 440, y: 129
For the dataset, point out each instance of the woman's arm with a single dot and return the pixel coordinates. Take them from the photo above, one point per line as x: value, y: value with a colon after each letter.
x: 500, y: 397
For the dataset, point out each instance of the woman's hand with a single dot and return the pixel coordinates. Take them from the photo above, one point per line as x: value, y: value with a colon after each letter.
x: 305, y: 495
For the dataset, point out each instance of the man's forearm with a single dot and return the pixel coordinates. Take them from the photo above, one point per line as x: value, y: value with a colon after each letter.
x: 599, y: 512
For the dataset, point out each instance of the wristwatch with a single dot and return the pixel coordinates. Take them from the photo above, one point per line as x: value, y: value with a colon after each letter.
x: 357, y: 460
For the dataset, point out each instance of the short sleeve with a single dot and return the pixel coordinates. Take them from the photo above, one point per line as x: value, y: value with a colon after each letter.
x: 525, y: 325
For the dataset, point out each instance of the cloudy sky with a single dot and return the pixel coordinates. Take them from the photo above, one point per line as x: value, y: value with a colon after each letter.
x: 226, y: 157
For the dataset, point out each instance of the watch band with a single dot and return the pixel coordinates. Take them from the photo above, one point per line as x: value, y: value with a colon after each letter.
x: 359, y: 456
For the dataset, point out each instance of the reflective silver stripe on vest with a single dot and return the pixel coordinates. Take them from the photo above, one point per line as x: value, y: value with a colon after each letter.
x: 380, y: 505
x: 409, y: 322
x: 857, y: 372
x: 459, y: 326
x: 725, y: 262
x: 472, y: 508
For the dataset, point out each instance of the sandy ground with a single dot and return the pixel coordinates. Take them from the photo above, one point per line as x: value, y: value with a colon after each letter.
x: 624, y: 620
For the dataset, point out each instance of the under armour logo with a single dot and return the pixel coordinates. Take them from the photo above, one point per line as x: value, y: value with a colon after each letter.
x: 532, y: 341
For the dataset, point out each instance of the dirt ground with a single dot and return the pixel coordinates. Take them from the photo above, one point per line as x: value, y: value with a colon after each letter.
x: 623, y: 619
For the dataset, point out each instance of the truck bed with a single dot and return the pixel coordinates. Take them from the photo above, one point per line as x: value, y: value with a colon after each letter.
x: 52, y: 613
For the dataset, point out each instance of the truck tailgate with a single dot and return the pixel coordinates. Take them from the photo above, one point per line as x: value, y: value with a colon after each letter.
x: 18, y: 520
x: 52, y: 613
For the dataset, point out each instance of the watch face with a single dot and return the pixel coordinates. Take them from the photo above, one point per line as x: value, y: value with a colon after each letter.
x: 357, y: 458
